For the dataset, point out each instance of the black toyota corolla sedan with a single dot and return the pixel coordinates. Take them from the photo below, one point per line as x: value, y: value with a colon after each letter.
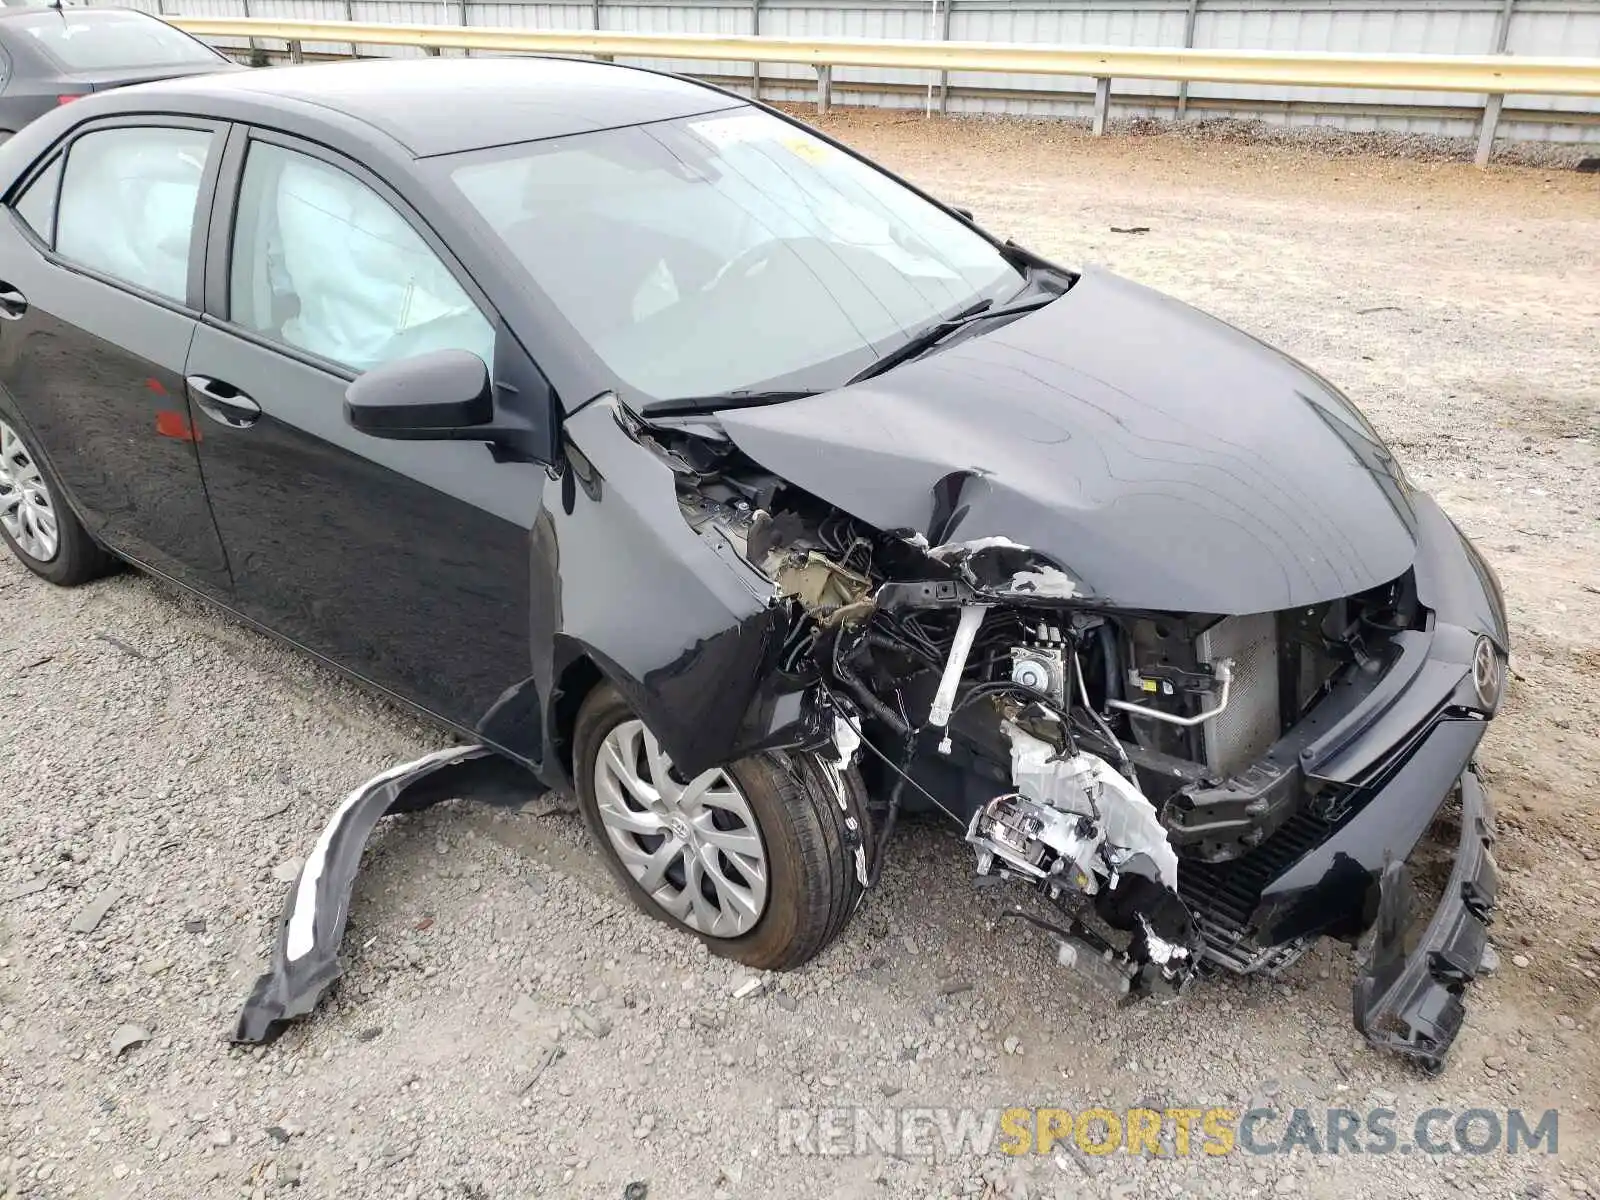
x: 665, y: 447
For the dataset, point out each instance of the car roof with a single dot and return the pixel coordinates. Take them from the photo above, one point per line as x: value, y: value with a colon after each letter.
x: 447, y: 105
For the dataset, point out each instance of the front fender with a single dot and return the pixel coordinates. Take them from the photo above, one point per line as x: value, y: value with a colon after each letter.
x: 688, y: 635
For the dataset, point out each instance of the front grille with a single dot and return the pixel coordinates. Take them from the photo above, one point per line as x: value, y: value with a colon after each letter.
x: 1223, y: 895
x: 1249, y: 725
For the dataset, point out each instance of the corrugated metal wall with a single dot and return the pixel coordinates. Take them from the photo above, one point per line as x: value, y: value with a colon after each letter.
x: 1530, y: 27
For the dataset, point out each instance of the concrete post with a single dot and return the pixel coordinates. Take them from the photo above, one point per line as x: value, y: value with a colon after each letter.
x: 755, y: 67
x: 1188, y: 44
x: 1491, y: 118
x: 1102, y: 103
x: 944, y: 76
x: 1492, y: 106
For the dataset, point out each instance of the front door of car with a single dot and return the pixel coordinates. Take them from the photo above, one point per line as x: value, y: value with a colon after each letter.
x: 100, y: 287
x: 406, y: 562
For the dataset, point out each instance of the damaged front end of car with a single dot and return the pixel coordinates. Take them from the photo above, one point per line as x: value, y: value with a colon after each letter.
x: 1189, y: 790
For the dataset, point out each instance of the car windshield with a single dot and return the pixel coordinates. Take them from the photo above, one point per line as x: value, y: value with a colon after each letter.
x: 729, y: 251
x: 105, y: 41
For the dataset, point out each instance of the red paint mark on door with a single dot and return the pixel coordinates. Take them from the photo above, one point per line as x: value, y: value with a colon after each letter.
x: 175, y: 425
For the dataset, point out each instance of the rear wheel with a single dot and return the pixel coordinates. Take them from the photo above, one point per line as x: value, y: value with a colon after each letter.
x: 41, y: 530
x: 755, y: 858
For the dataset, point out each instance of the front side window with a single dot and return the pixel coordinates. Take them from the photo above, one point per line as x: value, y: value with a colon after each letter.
x: 128, y: 201
x: 727, y: 251
x: 323, y: 263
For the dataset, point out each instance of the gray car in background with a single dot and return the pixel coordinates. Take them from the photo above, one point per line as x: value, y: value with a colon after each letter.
x: 51, y: 56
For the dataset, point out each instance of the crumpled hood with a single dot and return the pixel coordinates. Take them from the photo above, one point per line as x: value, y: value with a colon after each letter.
x: 1159, y: 457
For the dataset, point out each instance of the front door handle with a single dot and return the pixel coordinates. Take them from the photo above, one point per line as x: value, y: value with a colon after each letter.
x: 13, y: 304
x: 222, y: 402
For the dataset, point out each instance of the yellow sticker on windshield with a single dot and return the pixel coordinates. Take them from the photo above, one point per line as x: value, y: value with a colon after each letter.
x: 807, y: 148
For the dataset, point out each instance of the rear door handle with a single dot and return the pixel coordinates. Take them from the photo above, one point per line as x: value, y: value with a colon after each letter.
x: 222, y: 402
x: 13, y: 304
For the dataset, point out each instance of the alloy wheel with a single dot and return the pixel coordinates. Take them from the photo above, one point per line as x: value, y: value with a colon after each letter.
x: 693, y: 846
x: 27, y: 510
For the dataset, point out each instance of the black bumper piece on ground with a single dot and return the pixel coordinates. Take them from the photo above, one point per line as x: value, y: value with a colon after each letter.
x: 1411, y: 1001
x: 305, y: 960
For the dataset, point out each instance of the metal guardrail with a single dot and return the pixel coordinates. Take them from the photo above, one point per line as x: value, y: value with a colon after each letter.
x: 1494, y: 75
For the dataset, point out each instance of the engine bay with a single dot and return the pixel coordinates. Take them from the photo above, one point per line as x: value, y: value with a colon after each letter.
x: 1088, y: 751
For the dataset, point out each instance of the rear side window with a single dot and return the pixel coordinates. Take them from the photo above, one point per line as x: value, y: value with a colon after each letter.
x: 37, y: 204
x: 127, y: 206
x: 103, y: 41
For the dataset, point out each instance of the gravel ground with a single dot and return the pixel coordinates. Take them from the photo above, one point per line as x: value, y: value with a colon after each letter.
x: 509, y: 1027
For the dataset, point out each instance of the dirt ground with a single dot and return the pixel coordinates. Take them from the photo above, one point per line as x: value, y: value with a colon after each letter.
x: 509, y: 1027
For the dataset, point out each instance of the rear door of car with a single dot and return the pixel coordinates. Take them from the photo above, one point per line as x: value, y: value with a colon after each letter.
x: 404, y: 562
x: 101, y: 267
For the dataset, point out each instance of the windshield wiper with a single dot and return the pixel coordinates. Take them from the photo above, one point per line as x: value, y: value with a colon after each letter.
x: 704, y: 404
x: 926, y: 339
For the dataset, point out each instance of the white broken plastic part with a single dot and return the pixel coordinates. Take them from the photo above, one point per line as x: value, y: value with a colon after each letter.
x: 951, y: 549
x: 846, y: 741
x: 847, y: 744
x: 1087, y: 784
x: 944, y: 699
x: 1160, y: 950
x: 1046, y: 581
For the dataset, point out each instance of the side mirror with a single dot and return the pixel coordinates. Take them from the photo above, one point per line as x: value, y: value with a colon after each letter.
x: 442, y: 395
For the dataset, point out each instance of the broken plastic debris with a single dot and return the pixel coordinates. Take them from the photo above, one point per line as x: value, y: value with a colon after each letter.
x: 965, y: 549
x: 1158, y: 948
x: 749, y: 987
x: 846, y: 741
x: 1046, y: 581
x: 305, y: 961
x: 1129, y: 819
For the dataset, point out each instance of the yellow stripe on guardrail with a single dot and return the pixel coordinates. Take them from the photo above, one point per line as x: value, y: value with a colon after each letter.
x: 1495, y: 76
x: 1406, y: 72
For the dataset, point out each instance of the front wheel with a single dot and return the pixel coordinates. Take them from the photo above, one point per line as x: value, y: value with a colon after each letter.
x: 759, y: 859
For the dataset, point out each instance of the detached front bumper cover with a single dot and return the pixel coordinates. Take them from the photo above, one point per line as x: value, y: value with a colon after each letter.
x: 1413, y: 1003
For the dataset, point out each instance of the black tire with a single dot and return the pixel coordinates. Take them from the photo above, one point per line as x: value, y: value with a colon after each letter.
x: 813, y: 884
x: 77, y: 558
